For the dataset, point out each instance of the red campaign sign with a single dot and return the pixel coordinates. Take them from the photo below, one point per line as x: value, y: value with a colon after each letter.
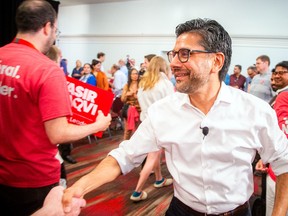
x: 86, y: 100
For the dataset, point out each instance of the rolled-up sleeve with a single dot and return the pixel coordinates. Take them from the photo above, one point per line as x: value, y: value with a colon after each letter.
x: 275, y: 145
x: 131, y: 153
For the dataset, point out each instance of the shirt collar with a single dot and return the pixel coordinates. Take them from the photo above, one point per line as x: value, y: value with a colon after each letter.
x: 280, y: 90
x: 224, y: 95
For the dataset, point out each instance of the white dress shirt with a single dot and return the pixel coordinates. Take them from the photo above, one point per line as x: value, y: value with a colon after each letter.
x: 162, y: 88
x: 212, y: 174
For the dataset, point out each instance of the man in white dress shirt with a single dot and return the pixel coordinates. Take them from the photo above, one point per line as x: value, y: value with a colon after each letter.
x: 210, y: 133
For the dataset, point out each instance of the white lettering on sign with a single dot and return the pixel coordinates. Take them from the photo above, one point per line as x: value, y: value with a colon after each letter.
x: 83, y: 100
x: 81, y: 92
x: 75, y: 121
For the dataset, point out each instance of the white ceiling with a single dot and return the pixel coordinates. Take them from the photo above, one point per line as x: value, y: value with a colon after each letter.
x: 78, y: 2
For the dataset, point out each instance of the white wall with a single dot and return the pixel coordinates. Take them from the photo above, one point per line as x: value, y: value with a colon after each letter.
x: 142, y: 27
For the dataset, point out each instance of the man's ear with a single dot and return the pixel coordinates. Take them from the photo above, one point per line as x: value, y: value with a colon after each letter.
x: 47, y: 28
x: 218, y: 62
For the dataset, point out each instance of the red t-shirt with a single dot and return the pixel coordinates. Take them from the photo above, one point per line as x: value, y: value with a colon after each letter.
x: 33, y: 90
x: 281, y: 109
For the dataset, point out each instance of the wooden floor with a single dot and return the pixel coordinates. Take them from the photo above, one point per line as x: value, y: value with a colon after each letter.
x: 112, y: 199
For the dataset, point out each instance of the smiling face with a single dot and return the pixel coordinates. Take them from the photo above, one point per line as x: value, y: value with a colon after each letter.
x: 86, y: 69
x: 134, y: 75
x: 280, y: 81
x: 97, y: 67
x: 195, y: 73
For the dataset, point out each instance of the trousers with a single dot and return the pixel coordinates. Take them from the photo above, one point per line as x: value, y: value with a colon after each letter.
x: 22, y: 201
x: 178, y: 208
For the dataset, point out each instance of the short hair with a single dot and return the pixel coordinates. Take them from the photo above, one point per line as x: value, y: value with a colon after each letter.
x: 253, y: 67
x: 239, y: 66
x: 214, y: 38
x: 264, y: 58
x: 32, y: 15
x: 116, y: 67
x: 100, y: 54
x: 283, y: 64
x: 149, y: 57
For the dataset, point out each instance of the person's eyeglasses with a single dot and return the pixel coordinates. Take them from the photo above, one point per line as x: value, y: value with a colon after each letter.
x: 184, y: 54
x: 279, y: 72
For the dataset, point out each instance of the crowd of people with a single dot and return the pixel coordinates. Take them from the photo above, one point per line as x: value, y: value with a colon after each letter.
x: 208, y: 132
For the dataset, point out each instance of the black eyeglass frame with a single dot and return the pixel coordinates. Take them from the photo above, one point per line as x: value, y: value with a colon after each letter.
x: 279, y: 73
x: 173, y: 53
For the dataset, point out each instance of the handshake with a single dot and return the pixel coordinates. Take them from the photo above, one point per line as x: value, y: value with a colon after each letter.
x: 53, y: 204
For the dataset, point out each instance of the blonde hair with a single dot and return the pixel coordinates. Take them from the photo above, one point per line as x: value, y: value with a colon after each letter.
x: 54, y: 54
x: 152, y: 75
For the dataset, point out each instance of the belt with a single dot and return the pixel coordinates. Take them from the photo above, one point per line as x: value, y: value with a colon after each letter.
x: 239, y: 211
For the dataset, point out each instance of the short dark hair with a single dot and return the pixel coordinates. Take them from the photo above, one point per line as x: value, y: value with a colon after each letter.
x: 32, y: 15
x: 100, y: 54
x: 239, y: 66
x: 214, y: 38
x: 283, y: 64
x: 115, y: 66
x: 253, y: 67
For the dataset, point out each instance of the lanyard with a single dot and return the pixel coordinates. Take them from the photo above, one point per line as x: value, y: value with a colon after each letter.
x: 24, y: 42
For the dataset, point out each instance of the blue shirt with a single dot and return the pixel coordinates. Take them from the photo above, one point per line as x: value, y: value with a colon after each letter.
x: 63, y: 65
x: 89, y: 78
x: 227, y: 79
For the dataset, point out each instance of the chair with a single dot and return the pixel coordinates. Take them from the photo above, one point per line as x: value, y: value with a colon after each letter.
x: 115, y: 112
x: 116, y: 118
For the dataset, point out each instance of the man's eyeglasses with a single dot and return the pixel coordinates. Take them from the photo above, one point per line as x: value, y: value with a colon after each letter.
x: 279, y: 72
x: 184, y: 54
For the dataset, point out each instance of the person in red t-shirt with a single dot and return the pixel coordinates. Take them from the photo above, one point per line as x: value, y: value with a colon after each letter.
x: 33, y: 112
x: 280, y: 105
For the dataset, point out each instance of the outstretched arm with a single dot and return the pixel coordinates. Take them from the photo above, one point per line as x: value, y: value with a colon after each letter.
x: 105, y: 172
